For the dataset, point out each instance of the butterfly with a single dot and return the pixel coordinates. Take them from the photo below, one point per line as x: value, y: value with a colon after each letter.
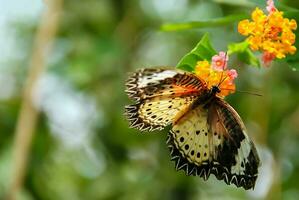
x: 207, y: 136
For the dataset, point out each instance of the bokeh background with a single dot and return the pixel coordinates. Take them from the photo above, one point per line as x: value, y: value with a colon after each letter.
x: 82, y: 147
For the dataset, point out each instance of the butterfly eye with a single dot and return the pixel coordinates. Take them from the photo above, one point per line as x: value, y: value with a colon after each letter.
x: 215, y: 89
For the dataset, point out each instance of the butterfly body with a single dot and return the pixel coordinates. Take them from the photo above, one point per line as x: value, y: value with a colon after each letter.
x: 207, y: 135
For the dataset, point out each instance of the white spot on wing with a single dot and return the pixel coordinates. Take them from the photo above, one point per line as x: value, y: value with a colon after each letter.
x: 156, y: 77
x: 266, y: 174
x: 242, y: 155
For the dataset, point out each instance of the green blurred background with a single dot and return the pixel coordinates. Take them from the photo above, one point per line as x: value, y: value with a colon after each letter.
x: 83, y: 147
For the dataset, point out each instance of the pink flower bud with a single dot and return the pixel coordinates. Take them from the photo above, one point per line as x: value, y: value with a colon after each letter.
x: 270, y: 6
x: 219, y: 62
x: 232, y: 74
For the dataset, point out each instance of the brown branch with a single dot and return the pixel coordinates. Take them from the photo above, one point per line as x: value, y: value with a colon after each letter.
x: 28, y: 115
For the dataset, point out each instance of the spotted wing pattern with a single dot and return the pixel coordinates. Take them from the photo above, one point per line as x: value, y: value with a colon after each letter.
x: 192, y: 145
x: 160, y: 94
x: 213, y: 141
x: 157, y: 112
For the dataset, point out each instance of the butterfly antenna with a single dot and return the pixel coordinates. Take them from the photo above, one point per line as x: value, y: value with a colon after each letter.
x: 246, y: 92
x: 208, y: 80
x: 222, y: 81
x: 224, y: 64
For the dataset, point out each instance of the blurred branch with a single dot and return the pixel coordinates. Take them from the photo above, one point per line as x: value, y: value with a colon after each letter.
x: 28, y: 115
x: 243, y: 3
x: 203, y: 24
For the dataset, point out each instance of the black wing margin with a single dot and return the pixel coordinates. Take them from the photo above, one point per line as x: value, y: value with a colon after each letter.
x: 237, y: 155
x: 235, y: 159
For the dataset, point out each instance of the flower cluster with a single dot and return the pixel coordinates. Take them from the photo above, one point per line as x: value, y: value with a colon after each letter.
x: 272, y: 33
x: 215, y: 73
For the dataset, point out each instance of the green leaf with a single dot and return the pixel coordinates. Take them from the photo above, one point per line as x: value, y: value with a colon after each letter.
x: 259, y: 3
x: 203, y: 24
x: 294, y: 66
x: 202, y: 51
x: 292, y: 14
x: 289, y: 5
x: 237, y: 47
x: 249, y: 58
x: 244, y: 53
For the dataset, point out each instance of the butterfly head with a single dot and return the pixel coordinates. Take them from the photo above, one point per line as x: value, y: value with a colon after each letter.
x: 215, y: 89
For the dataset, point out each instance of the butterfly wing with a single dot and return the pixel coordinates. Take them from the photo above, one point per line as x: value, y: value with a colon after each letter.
x: 237, y: 154
x: 151, y: 82
x: 161, y: 94
x: 214, y: 140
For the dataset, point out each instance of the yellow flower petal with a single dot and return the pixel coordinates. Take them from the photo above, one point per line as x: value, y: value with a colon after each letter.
x: 271, y: 33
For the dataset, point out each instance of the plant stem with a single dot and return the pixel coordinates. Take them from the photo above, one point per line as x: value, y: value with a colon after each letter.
x: 28, y: 116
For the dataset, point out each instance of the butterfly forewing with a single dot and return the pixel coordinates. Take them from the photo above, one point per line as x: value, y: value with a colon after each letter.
x: 157, y: 112
x: 152, y: 82
x: 160, y: 95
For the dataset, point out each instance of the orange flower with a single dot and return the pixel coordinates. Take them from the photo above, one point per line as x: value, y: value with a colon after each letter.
x: 272, y: 33
x: 215, y: 75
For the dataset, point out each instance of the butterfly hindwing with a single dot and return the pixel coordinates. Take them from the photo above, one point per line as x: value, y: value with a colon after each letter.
x: 237, y: 153
x: 192, y: 145
x: 192, y: 136
x: 214, y: 141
